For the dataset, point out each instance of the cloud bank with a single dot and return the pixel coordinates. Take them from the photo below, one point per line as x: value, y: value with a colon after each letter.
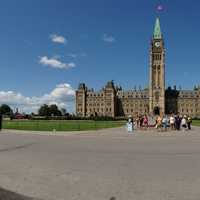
x: 62, y: 95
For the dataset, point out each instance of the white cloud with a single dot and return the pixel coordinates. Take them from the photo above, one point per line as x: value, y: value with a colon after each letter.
x: 108, y: 38
x: 62, y: 95
x: 58, y: 39
x: 55, y: 63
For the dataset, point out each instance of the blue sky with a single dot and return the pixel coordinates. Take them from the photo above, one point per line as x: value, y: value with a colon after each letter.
x: 103, y: 40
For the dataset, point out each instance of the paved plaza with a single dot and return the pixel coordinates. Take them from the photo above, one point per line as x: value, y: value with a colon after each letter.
x: 98, y: 165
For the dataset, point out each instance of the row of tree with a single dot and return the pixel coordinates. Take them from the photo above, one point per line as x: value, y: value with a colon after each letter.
x: 44, y: 110
x: 51, y: 110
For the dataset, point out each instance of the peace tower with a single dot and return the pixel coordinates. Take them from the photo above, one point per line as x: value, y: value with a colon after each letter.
x: 157, y: 72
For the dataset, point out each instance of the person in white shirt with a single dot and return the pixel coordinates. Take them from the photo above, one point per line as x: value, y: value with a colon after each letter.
x: 129, y: 126
x: 164, y: 123
x: 172, y: 122
x: 184, y: 123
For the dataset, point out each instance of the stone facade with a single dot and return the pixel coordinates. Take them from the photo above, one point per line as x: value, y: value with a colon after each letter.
x: 112, y: 101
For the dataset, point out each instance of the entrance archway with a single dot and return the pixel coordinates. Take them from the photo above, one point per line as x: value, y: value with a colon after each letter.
x: 156, y: 110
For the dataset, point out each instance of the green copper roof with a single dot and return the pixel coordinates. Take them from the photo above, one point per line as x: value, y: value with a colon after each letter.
x: 157, y: 31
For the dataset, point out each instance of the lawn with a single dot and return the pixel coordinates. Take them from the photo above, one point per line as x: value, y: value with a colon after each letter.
x: 60, y: 125
x: 196, y: 122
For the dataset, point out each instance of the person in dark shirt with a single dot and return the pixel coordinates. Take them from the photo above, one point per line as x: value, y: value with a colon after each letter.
x: 178, y: 122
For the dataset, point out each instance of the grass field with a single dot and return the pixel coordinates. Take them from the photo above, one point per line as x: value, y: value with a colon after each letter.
x: 60, y: 125
x: 196, y: 122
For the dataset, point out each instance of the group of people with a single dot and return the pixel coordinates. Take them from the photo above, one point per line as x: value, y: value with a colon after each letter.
x: 161, y: 123
x: 173, y: 122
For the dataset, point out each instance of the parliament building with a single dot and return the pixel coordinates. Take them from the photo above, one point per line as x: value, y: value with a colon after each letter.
x: 113, y: 101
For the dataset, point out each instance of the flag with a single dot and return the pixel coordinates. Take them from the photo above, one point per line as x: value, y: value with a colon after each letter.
x: 159, y: 8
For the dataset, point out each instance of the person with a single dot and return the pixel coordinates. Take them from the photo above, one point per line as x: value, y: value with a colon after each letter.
x: 129, y: 126
x: 137, y: 122
x: 177, y: 122
x: 172, y: 122
x: 164, y: 123
x: 146, y: 122
x: 141, y: 121
x: 189, y: 121
x: 184, y: 123
x: 159, y: 123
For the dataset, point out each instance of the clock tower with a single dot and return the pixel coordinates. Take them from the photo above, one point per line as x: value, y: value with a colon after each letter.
x: 157, y: 73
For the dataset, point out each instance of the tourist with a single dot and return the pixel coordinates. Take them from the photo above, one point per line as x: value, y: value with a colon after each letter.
x: 146, y: 122
x: 137, y: 121
x: 172, y: 122
x: 165, y: 123
x: 177, y: 122
x: 159, y: 123
x: 129, y: 126
x: 189, y: 121
x: 184, y: 123
x: 141, y: 121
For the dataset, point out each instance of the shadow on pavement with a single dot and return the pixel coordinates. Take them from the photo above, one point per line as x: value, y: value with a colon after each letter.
x: 8, y: 195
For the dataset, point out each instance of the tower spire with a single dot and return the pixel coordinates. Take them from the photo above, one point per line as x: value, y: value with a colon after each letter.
x: 157, y: 30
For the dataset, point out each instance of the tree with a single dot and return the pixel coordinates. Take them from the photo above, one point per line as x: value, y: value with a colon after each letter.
x: 5, y: 110
x: 53, y: 109
x: 44, y: 110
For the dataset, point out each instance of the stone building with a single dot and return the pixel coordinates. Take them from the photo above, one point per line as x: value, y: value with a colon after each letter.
x: 156, y: 99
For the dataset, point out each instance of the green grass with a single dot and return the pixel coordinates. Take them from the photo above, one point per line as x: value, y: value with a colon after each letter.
x: 196, y: 122
x: 60, y: 125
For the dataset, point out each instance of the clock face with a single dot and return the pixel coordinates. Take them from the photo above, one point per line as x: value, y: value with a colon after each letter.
x: 157, y: 44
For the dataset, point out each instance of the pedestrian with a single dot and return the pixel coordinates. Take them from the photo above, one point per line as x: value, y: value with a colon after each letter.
x: 129, y: 126
x: 137, y: 121
x: 184, y: 123
x: 172, y: 122
x: 141, y: 121
x: 164, y: 123
x: 189, y: 122
x: 146, y: 122
x: 178, y: 122
x: 159, y: 123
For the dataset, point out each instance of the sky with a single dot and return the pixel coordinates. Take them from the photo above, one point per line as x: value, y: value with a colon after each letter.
x: 47, y: 47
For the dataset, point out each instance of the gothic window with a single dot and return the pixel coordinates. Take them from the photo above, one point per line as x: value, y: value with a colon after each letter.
x: 157, y: 96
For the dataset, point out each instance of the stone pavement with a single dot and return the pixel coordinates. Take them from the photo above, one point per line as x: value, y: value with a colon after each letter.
x: 101, y: 164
